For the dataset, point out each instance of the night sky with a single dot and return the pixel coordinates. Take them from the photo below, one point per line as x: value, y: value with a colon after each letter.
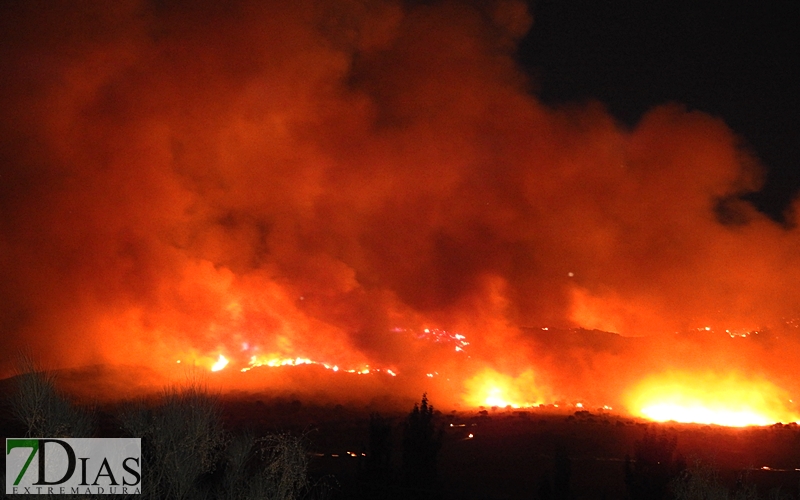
x: 735, y: 60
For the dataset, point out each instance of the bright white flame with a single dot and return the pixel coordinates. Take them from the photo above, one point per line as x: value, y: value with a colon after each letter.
x: 711, y: 398
x: 702, y: 415
x: 490, y: 388
x: 221, y: 363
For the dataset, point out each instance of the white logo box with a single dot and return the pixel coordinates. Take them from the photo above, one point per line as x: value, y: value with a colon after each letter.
x: 62, y: 466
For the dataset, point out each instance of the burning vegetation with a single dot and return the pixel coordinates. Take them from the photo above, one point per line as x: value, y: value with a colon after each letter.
x: 373, y: 189
x: 710, y: 398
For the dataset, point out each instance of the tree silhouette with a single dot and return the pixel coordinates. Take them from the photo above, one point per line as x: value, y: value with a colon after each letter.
x: 421, y: 443
x: 654, y: 465
x: 377, y: 463
x: 554, y: 485
x: 561, y: 475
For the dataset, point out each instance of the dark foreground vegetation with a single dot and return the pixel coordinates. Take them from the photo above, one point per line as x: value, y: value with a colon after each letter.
x: 200, y: 445
x: 187, y: 453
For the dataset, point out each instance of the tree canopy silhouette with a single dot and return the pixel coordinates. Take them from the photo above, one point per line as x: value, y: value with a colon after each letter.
x: 653, y: 466
x: 422, y: 440
x: 377, y: 464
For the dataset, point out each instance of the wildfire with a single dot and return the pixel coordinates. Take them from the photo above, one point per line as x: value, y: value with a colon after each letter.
x: 221, y: 363
x: 491, y: 388
x: 279, y: 361
x: 458, y: 341
x: 711, y: 399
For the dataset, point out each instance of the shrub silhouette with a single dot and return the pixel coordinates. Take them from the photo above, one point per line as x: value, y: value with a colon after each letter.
x: 43, y: 410
x: 421, y: 443
x: 186, y: 452
x: 555, y: 485
x: 701, y: 481
x: 182, y: 440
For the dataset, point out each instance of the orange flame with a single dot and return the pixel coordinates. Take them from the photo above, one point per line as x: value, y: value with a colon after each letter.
x: 276, y: 361
x: 709, y: 398
x: 491, y: 388
x: 221, y: 363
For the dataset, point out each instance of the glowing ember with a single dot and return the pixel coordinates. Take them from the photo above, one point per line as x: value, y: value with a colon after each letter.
x: 711, y: 399
x: 298, y: 361
x: 279, y: 359
x: 438, y: 336
x: 221, y: 363
x: 490, y: 388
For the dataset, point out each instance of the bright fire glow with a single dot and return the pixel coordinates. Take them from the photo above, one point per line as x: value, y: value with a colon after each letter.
x: 491, y: 388
x: 711, y: 399
x: 701, y: 414
x: 221, y: 363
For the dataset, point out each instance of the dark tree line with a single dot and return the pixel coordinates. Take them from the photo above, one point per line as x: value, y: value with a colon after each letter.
x: 421, y: 442
x: 654, y: 465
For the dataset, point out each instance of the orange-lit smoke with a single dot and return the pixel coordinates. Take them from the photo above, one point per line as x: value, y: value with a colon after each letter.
x: 180, y: 180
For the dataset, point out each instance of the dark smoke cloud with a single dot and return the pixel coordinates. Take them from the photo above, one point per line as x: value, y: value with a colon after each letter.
x: 186, y: 177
